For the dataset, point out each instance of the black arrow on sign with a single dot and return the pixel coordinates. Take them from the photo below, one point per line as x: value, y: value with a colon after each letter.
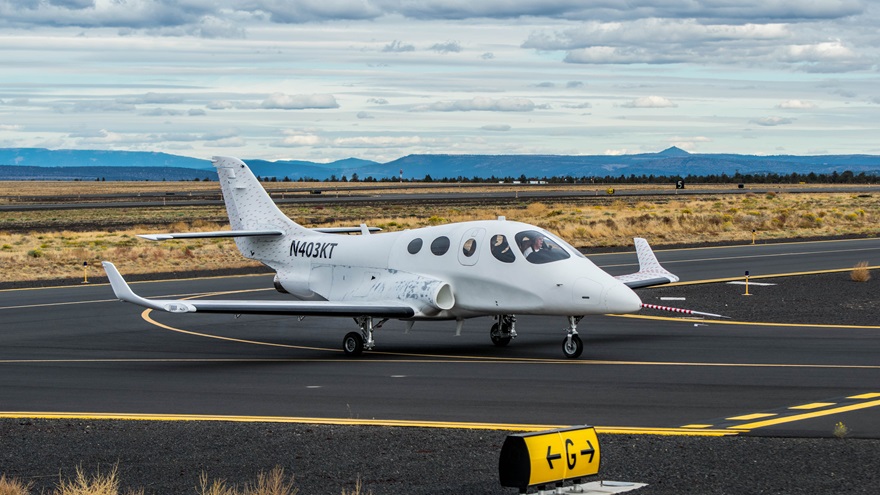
x: 552, y: 457
x: 590, y: 450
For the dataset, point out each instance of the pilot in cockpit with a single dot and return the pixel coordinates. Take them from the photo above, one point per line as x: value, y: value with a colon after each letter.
x: 538, y: 250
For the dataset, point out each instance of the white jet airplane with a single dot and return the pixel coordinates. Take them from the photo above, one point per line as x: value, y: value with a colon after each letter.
x: 494, y: 268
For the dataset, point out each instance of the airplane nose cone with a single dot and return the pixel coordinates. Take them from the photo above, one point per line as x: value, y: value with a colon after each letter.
x: 622, y: 299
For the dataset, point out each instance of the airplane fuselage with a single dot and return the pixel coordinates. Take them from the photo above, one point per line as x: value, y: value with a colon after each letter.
x: 451, y: 271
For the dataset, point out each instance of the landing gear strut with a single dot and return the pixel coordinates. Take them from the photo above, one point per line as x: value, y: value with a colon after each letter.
x: 355, y: 343
x: 503, y: 330
x: 572, y: 347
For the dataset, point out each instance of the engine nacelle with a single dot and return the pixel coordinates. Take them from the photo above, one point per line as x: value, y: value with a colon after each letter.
x: 428, y: 296
x: 296, y: 287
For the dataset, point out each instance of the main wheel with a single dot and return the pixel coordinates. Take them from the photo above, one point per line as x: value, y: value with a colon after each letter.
x: 572, y: 349
x: 353, y: 344
x: 499, y: 338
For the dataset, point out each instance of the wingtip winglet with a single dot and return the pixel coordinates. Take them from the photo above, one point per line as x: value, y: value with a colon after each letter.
x: 120, y: 287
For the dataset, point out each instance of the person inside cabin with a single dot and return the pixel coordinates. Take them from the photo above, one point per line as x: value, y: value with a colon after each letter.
x: 501, y: 249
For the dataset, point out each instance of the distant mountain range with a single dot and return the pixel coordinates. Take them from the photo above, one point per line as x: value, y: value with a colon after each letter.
x: 44, y: 164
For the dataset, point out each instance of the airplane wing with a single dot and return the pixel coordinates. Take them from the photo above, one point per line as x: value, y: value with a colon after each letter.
x: 390, y: 309
x: 363, y: 229
x: 217, y: 234
x: 650, y: 271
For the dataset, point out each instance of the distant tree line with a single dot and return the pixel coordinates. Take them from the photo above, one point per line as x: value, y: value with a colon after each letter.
x: 846, y: 177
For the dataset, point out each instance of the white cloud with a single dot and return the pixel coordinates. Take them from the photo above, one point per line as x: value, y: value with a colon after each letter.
x: 378, y: 141
x: 772, y: 121
x: 796, y: 105
x: 479, y: 103
x: 220, y: 105
x: 650, y: 102
x: 296, y: 139
x: 152, y: 73
x: 282, y: 101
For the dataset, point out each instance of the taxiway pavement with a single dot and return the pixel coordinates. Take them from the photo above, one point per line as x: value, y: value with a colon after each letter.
x: 78, y: 350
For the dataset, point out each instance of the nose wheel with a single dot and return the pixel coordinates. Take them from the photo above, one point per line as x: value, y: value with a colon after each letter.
x: 572, y: 347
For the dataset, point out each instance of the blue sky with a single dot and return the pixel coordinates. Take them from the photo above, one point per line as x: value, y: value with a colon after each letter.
x: 379, y: 79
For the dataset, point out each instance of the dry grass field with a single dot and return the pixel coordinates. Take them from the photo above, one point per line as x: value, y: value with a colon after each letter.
x: 54, y: 244
x: 275, y: 482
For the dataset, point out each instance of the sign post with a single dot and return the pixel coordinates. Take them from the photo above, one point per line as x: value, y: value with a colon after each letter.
x: 550, y: 457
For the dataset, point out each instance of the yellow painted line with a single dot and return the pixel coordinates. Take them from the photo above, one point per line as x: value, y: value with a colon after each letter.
x: 748, y: 417
x: 771, y: 275
x: 608, y: 430
x: 746, y: 323
x: 94, y: 301
x: 697, y: 426
x: 870, y: 395
x: 801, y: 417
x: 73, y: 286
x: 814, y: 405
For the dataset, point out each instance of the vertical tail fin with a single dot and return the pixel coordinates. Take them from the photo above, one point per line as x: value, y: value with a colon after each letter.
x: 250, y: 207
x: 650, y: 271
x: 247, y: 202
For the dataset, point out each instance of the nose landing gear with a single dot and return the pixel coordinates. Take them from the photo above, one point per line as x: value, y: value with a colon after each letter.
x: 572, y: 347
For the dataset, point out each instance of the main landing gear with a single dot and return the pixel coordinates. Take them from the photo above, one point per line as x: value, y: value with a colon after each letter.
x: 354, y: 343
x: 572, y: 347
x: 503, y: 330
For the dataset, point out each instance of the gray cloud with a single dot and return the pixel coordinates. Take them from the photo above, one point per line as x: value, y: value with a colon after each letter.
x: 448, y: 47
x: 398, y: 46
x: 772, y: 121
x: 155, y: 13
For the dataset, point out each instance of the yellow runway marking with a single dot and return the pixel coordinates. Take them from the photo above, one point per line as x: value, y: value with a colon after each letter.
x: 865, y: 396
x: 609, y: 430
x: 814, y: 405
x: 801, y: 417
x: 748, y: 417
x: 745, y: 323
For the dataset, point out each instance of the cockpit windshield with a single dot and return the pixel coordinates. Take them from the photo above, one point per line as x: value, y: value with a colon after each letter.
x: 541, y: 247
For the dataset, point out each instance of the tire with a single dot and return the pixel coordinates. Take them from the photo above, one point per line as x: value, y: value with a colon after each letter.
x: 499, y: 339
x: 573, y: 350
x: 353, y: 344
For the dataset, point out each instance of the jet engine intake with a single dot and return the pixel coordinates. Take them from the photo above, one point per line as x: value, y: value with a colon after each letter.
x: 295, y: 286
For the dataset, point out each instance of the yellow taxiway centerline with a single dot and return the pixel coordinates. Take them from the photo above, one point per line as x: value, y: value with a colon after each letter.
x: 609, y: 430
x: 801, y: 417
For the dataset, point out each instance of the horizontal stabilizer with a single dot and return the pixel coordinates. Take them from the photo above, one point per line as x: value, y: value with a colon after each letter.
x: 217, y: 234
x: 650, y: 271
x: 363, y: 229
x: 388, y: 309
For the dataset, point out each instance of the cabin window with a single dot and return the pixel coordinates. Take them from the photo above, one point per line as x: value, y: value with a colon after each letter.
x: 469, y: 247
x: 541, y: 247
x: 440, y: 246
x: 501, y: 249
x: 414, y: 246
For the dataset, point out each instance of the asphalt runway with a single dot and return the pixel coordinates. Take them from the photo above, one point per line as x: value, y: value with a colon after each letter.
x: 382, y: 195
x: 76, y: 350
